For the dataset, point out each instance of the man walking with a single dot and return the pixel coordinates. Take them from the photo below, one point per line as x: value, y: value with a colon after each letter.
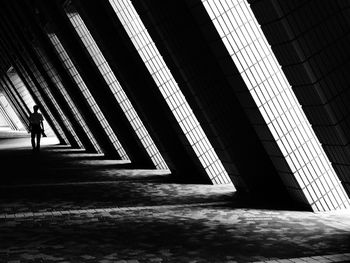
x: 36, y: 127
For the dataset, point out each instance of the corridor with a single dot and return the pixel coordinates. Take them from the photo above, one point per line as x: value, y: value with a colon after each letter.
x: 63, y: 205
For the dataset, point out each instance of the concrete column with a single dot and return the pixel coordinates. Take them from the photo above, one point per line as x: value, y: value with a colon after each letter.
x: 25, y: 107
x: 5, y: 121
x: 70, y: 86
x: 14, y: 101
x: 312, y: 45
x: 212, y: 95
x: 55, y: 127
x: 65, y: 107
x: 96, y: 85
x: 39, y: 78
x: 4, y: 110
x: 24, y: 90
x: 142, y: 89
x: 21, y: 108
x: 24, y: 71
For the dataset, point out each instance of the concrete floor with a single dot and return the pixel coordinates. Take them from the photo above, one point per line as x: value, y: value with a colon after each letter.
x: 64, y: 205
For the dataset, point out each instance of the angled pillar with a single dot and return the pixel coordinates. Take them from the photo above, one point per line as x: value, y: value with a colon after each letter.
x: 5, y: 114
x: 3, y: 111
x: 203, y: 52
x: 21, y: 90
x: 24, y: 106
x: 313, y: 50
x: 25, y: 95
x: 15, y: 101
x: 32, y: 88
x: 23, y: 109
x: 96, y: 84
x: 211, y: 96
x: 37, y: 77
x: 11, y: 112
x: 98, y: 133
x: 87, y: 140
x: 81, y: 138
x: 4, y: 118
x: 149, y: 101
x: 112, y: 32
x: 270, y: 103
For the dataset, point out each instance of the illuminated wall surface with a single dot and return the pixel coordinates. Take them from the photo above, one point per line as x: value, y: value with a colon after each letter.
x: 46, y: 89
x: 277, y: 103
x: 42, y: 102
x: 4, y: 121
x: 21, y: 88
x: 4, y: 113
x: 17, y: 97
x: 25, y: 95
x: 69, y: 66
x: 56, y: 79
x: 116, y: 88
x: 6, y: 106
x: 170, y: 90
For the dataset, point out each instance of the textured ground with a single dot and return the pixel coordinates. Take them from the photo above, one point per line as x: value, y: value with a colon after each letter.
x: 66, y: 206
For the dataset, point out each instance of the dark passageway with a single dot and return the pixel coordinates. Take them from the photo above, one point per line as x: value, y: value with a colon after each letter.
x: 64, y: 205
x: 192, y: 131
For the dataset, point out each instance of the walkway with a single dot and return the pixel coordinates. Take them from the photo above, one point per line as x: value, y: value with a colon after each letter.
x: 78, y: 207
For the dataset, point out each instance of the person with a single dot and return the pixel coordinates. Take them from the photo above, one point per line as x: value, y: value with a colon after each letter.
x: 36, y: 127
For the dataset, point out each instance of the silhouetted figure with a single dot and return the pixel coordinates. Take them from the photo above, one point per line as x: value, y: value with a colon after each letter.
x: 36, y: 127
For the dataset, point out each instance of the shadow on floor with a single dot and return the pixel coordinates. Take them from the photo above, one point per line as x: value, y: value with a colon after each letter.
x: 65, y: 205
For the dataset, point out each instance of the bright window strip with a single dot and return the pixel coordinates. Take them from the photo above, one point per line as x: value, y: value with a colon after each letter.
x: 46, y: 89
x: 170, y: 91
x: 14, y: 121
x: 117, y: 90
x: 21, y: 89
x: 57, y: 80
x: 4, y: 118
x: 42, y: 102
x: 16, y: 94
x: 277, y: 103
x: 4, y: 113
x: 25, y: 95
x: 68, y: 64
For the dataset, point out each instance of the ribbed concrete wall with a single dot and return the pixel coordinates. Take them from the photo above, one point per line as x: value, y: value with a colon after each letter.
x: 311, y: 41
x: 27, y: 98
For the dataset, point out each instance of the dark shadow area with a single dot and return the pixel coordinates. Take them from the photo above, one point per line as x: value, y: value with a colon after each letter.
x: 173, y: 235
x: 245, y: 201
x: 62, y: 178
x: 60, y: 205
